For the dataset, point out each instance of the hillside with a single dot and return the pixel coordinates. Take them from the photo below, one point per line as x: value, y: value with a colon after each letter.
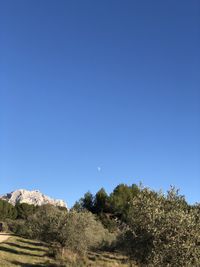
x: 130, y: 224
x: 20, y: 252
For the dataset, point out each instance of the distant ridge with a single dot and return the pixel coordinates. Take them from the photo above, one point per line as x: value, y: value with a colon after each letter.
x: 34, y: 197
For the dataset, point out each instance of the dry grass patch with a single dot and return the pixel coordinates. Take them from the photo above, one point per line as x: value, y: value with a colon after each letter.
x: 17, y: 251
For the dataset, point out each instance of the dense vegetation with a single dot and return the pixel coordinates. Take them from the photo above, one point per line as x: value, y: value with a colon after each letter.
x: 151, y: 228
x: 20, y: 211
x: 7, y: 211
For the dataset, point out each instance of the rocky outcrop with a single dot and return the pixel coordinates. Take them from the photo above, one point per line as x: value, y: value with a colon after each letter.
x: 34, y: 197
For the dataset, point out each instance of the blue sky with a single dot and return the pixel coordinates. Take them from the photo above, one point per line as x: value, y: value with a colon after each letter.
x: 110, y: 84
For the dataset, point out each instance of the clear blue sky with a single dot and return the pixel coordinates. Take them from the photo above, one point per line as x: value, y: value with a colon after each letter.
x: 111, y: 84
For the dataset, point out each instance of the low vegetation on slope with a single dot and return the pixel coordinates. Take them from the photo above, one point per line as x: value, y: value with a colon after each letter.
x: 17, y: 251
x: 21, y: 252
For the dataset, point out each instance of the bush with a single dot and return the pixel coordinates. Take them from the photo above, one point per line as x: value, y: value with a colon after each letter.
x: 24, y: 210
x: 76, y: 231
x: 164, y: 231
x: 18, y: 227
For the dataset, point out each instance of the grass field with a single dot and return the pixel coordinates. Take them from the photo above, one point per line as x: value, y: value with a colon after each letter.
x: 107, y: 259
x: 17, y: 251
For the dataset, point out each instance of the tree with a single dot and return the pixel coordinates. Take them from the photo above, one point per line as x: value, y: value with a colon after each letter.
x: 7, y: 211
x: 121, y: 198
x: 76, y: 231
x: 88, y: 201
x: 24, y: 210
x: 163, y: 230
x: 101, y: 201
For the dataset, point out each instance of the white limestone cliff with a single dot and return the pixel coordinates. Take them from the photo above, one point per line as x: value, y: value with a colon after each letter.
x: 34, y: 197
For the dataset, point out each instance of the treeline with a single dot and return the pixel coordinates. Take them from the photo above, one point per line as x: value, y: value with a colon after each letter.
x: 110, y: 209
x: 19, y: 211
x: 116, y: 202
x: 151, y: 228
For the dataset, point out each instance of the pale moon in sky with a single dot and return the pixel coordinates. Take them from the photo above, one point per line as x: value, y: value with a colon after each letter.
x: 98, y: 169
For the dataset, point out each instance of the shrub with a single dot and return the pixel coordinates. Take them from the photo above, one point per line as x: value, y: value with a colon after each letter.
x: 24, y: 210
x: 164, y: 231
x: 18, y: 227
x: 76, y: 231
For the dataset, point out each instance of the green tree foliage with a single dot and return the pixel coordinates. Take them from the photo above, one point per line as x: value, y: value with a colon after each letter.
x: 88, y: 201
x: 85, y: 203
x: 117, y: 202
x: 108, y: 207
x: 73, y: 230
x: 7, y: 211
x: 101, y: 202
x: 163, y: 231
x: 121, y: 198
x: 24, y: 210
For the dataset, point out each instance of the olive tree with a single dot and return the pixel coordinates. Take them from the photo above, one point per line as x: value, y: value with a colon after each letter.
x: 163, y: 231
x: 76, y: 231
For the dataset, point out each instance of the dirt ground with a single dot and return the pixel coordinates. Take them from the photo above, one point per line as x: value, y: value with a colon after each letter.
x: 4, y: 237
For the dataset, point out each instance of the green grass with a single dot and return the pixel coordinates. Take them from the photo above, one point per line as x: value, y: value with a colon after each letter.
x: 17, y: 251
x: 108, y: 259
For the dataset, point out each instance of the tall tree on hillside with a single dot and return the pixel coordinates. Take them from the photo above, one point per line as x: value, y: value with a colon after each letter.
x: 121, y: 197
x: 101, y: 201
x: 88, y: 201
